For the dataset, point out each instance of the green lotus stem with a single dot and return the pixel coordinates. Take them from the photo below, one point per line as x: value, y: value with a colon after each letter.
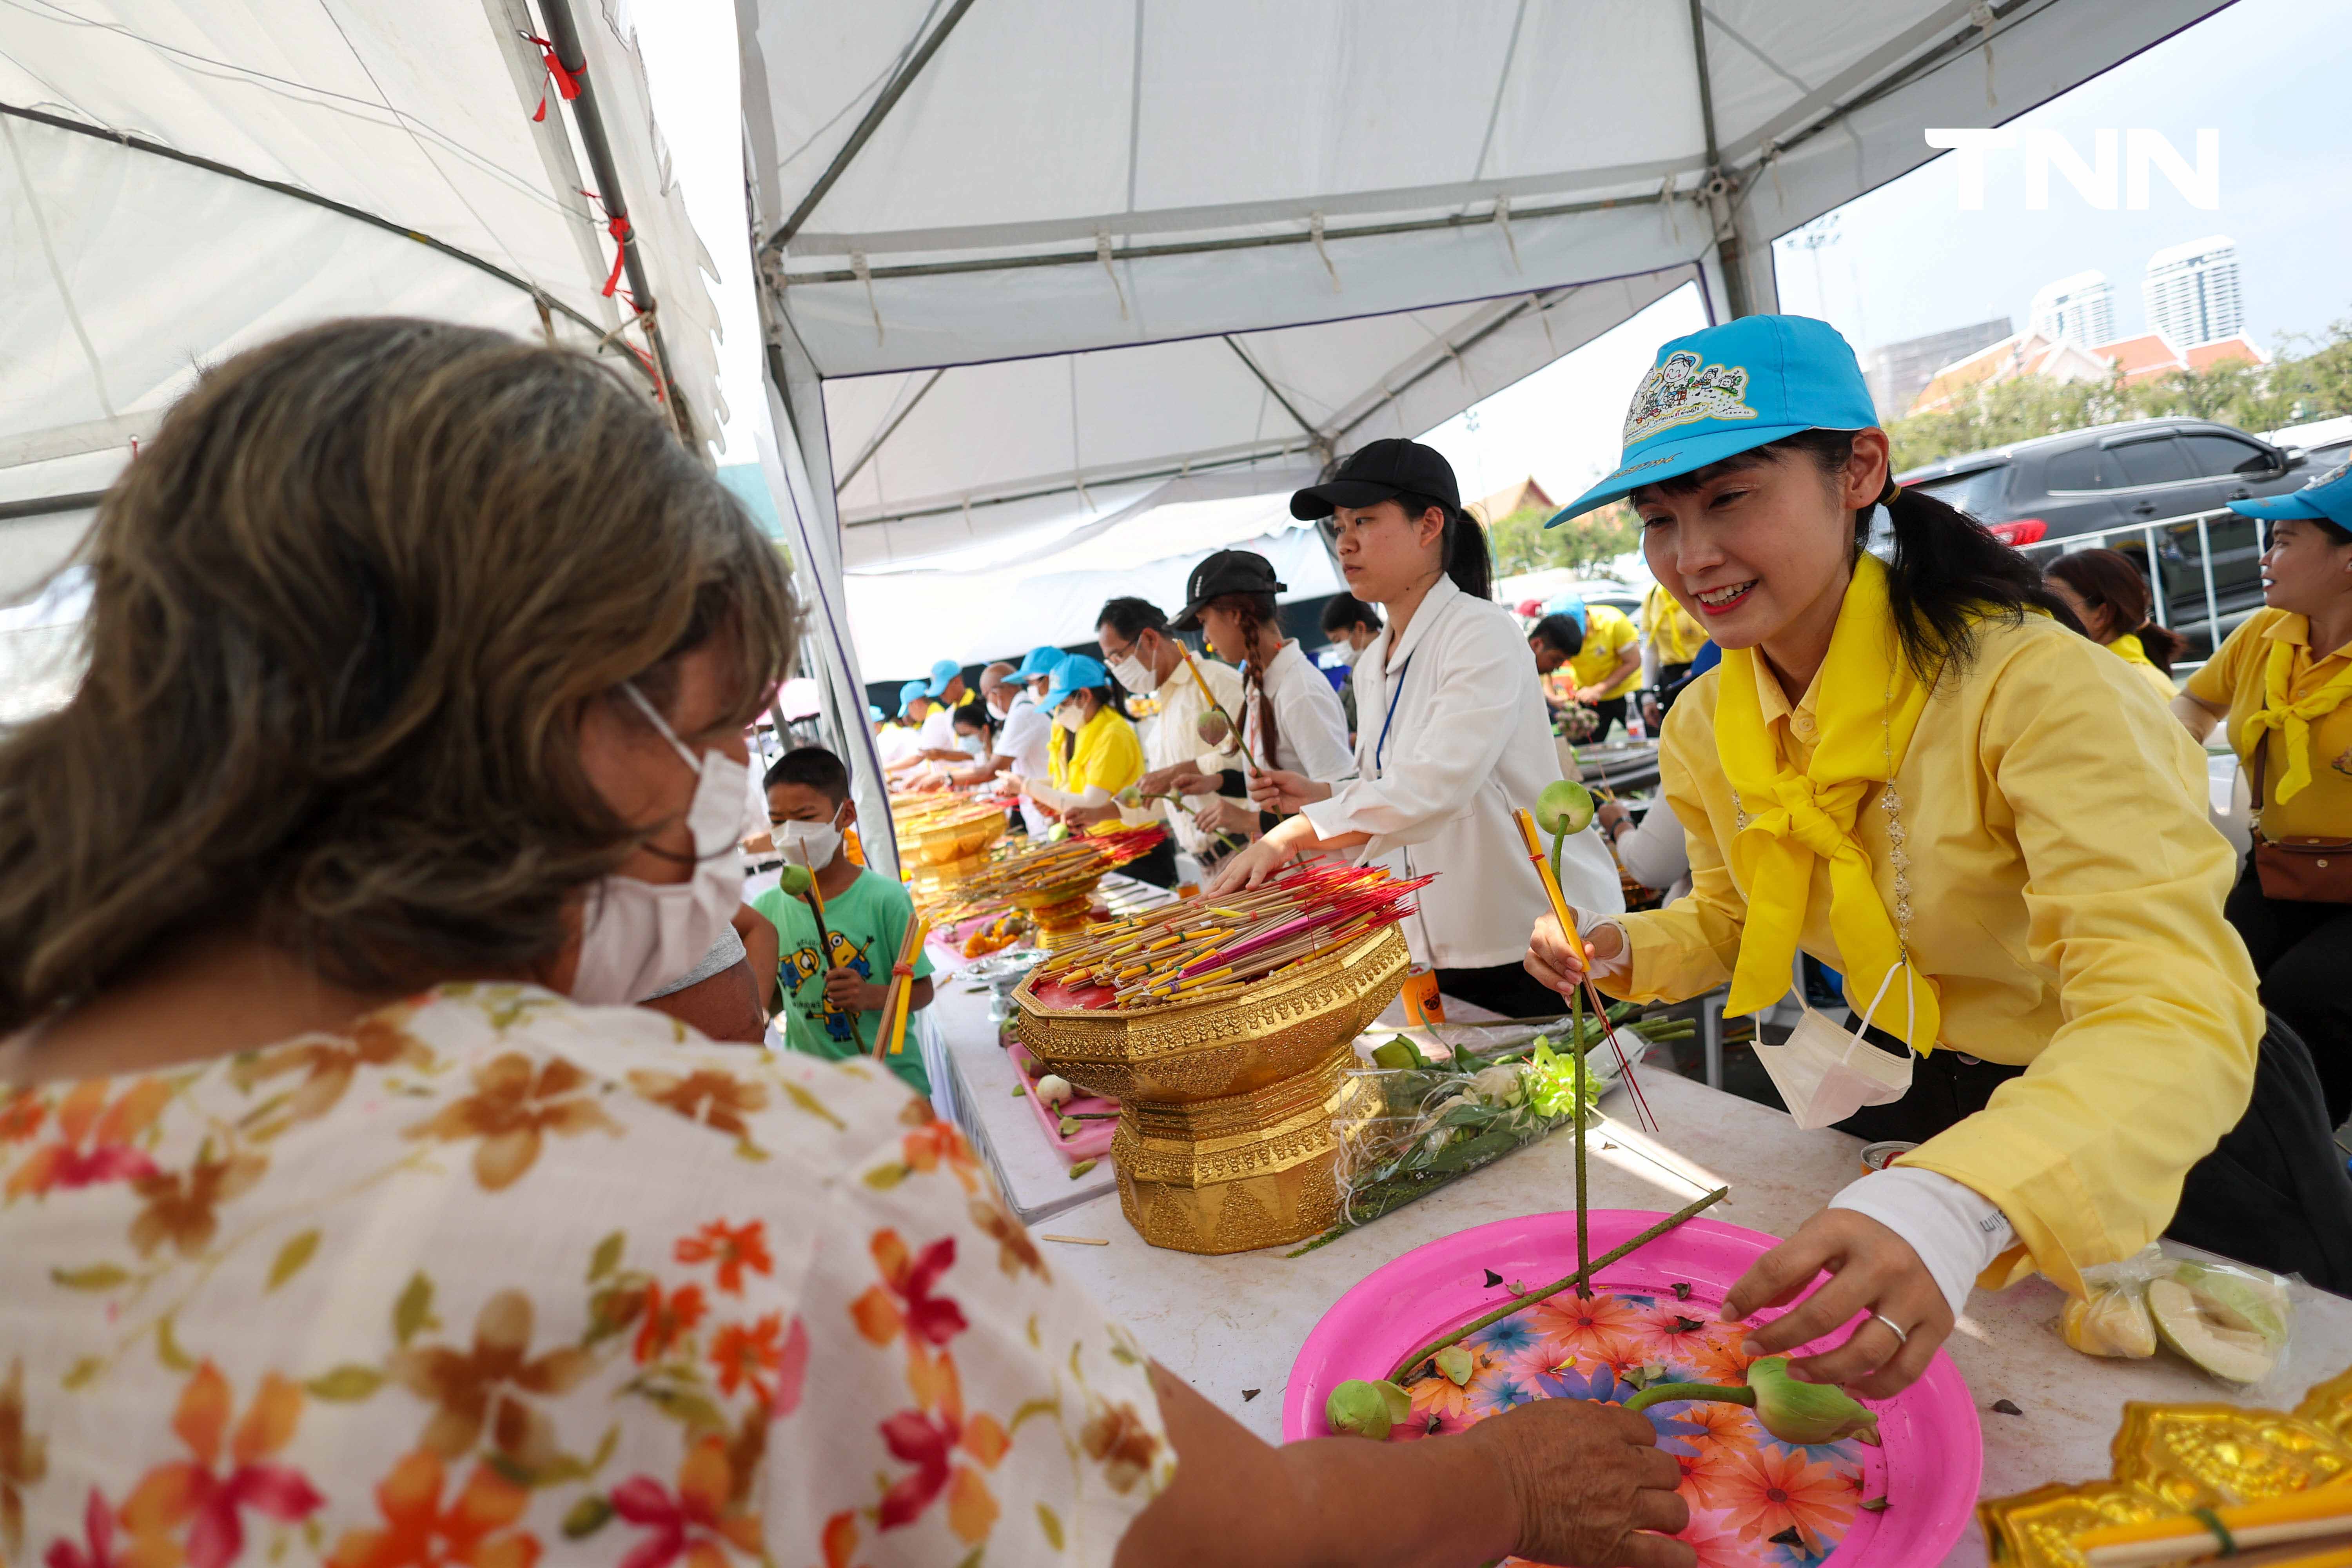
x: 1666, y: 1393
x: 1529, y: 1298
x: 1584, y: 1250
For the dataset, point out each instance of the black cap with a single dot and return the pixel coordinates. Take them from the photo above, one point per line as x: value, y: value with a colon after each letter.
x: 1227, y: 571
x: 1378, y: 471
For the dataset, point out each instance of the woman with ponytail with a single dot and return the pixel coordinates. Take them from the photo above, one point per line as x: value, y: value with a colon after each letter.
x: 1913, y: 771
x: 2111, y: 599
x: 1451, y: 736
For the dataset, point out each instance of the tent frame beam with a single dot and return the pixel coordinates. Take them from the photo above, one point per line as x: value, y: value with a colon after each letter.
x: 1320, y: 442
x: 1718, y: 185
x: 879, y: 111
x: 359, y: 215
x: 564, y: 33
x: 889, y: 430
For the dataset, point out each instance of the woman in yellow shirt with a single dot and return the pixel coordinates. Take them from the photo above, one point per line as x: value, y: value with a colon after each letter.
x: 1093, y: 754
x: 2280, y: 692
x: 2112, y: 600
x: 1912, y: 772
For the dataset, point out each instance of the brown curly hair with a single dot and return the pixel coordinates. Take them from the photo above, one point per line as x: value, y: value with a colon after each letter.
x: 348, y: 608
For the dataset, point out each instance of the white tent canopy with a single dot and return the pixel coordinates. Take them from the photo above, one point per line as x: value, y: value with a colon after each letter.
x: 179, y: 180
x: 1255, y: 189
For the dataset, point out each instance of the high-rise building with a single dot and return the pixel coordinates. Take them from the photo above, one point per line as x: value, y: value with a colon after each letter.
x: 2077, y: 310
x: 1897, y: 372
x: 2191, y: 291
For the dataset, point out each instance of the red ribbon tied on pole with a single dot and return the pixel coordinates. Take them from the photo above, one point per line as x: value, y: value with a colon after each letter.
x: 566, y: 84
x: 619, y: 229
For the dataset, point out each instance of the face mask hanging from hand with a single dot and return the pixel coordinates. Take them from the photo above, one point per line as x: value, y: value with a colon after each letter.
x: 1825, y: 1074
x: 635, y: 937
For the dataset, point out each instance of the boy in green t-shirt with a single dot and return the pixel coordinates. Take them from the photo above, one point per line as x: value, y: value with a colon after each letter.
x: 832, y: 1001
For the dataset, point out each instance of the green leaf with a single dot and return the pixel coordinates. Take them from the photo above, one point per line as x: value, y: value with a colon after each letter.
x: 167, y: 1348
x: 83, y: 1371
x: 610, y: 1440
x: 345, y: 1383
x: 813, y: 1106
x: 607, y: 1257
x: 693, y: 1411
x: 882, y: 1178
x: 588, y: 1516
x: 291, y: 1258
x: 97, y: 1276
x: 1034, y: 1407
x: 1050, y: 1523
x: 414, y: 1312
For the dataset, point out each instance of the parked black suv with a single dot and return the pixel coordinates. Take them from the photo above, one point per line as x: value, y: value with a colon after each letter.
x: 2035, y: 493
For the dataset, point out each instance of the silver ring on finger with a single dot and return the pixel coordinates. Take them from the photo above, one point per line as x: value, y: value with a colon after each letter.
x: 1902, y: 1338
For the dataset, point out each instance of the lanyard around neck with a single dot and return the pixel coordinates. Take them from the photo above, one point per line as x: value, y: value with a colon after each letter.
x: 1389, y: 718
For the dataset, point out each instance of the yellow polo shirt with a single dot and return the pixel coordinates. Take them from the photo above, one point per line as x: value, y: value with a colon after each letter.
x: 2233, y: 679
x: 1606, y: 634
x: 2130, y: 649
x: 1107, y: 753
x: 1668, y: 628
x: 2065, y: 893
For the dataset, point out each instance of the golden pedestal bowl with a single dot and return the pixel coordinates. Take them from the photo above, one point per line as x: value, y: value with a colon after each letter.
x: 950, y: 835
x: 1234, y: 1174
x: 1058, y: 914
x: 1293, y: 1020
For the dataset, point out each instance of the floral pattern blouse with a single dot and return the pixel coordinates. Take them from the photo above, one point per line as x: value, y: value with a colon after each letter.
x: 499, y: 1278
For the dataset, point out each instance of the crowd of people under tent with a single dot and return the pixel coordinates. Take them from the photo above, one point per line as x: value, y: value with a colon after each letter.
x: 350, y: 1162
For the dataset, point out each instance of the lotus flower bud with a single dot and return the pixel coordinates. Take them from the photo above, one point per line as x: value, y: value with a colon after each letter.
x: 1456, y: 1363
x: 1367, y: 1409
x: 1498, y: 1085
x: 1055, y: 1090
x: 1563, y: 809
x: 795, y: 880
x: 1806, y: 1412
x: 1213, y: 728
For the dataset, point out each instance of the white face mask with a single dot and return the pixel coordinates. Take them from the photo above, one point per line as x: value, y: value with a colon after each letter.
x: 636, y: 937
x: 1070, y: 717
x: 1825, y: 1074
x: 1134, y: 674
x: 1348, y: 653
x: 810, y: 843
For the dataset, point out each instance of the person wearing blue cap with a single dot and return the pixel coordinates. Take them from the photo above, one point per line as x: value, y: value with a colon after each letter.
x: 1094, y: 756
x: 2282, y: 682
x: 899, y: 744
x: 1913, y: 771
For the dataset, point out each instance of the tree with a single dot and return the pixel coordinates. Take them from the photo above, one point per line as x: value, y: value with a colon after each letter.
x: 1520, y: 542
x: 2310, y: 378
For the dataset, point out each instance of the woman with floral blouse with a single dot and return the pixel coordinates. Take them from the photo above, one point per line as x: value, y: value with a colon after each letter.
x: 336, y: 1227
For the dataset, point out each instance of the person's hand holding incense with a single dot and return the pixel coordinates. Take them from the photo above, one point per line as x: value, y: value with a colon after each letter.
x: 1553, y: 959
x: 1283, y: 793
x: 852, y: 993
x: 1872, y: 1269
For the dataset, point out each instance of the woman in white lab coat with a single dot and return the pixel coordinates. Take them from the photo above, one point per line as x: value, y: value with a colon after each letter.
x: 1451, y: 736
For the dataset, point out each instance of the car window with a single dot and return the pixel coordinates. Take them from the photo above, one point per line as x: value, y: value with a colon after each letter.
x: 2215, y: 454
x: 2080, y: 469
x: 2155, y: 462
x: 1973, y: 493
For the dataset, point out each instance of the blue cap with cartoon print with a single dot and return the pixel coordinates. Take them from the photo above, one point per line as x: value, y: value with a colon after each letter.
x: 2329, y: 497
x: 1728, y: 389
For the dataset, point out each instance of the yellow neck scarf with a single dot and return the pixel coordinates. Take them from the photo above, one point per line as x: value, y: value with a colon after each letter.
x: 2290, y: 718
x: 1869, y: 703
x: 2130, y: 649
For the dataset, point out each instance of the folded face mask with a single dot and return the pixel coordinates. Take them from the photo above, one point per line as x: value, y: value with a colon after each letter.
x: 1825, y: 1073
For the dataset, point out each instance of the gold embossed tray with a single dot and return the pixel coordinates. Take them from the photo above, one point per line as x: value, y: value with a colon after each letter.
x: 952, y: 833
x: 2172, y: 1459
x: 1234, y: 1174
x: 1293, y: 1020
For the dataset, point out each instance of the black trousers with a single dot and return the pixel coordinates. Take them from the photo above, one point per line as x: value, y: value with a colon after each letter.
x: 2302, y: 955
x: 1612, y: 712
x: 1159, y: 867
x: 2273, y: 1193
x: 1671, y: 680
x: 1504, y: 989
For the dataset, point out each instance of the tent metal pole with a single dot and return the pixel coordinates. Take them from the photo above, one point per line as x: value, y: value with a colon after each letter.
x: 1722, y: 224
x: 882, y: 106
x: 1315, y: 439
x: 565, y: 36
x: 48, y: 506
x: 874, y: 446
x: 358, y: 215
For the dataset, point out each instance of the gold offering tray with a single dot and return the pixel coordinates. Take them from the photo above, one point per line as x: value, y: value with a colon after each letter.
x: 1234, y: 1174
x: 950, y: 835
x: 2174, y: 1459
x: 1293, y: 1020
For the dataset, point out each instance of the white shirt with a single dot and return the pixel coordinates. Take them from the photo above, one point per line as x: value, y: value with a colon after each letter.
x: 1466, y: 743
x: 1176, y: 737
x: 1310, y: 727
x: 938, y: 731
x: 893, y: 743
x: 1026, y: 734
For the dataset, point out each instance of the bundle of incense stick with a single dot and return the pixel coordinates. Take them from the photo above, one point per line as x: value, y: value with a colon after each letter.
x: 890, y: 1028
x: 2320, y: 1520
x: 1033, y: 866
x: 1203, y: 947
